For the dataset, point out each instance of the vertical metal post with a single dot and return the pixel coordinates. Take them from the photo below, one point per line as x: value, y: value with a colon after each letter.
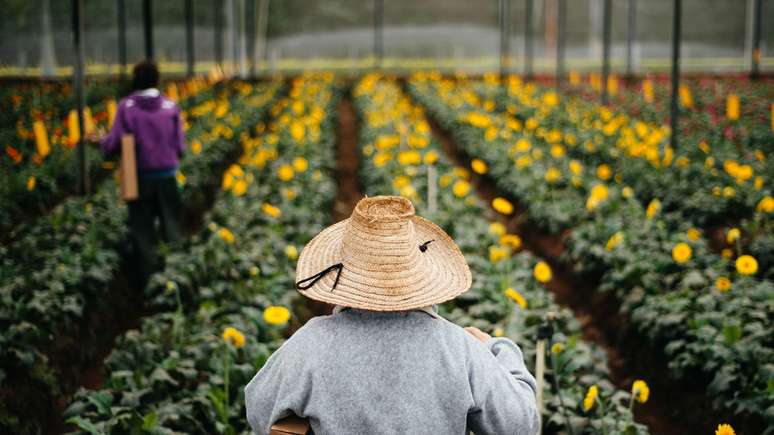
x: 147, y: 27
x: 252, y: 16
x: 77, y: 16
x: 631, y: 35
x: 505, y: 36
x: 234, y: 24
x: 121, y: 5
x: 606, y: 25
x: 756, y: 45
x: 528, y: 46
x: 189, y: 38
x: 561, y: 31
x: 378, y: 32
x: 675, y: 109
x: 261, y: 51
x: 218, y: 32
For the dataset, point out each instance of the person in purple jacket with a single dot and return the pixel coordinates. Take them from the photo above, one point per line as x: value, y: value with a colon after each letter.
x: 157, y: 127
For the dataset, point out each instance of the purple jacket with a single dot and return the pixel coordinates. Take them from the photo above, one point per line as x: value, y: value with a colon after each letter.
x: 157, y: 127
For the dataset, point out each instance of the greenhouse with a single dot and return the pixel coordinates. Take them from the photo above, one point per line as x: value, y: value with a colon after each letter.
x: 364, y: 217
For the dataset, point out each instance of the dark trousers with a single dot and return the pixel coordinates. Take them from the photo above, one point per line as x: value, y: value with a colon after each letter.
x: 158, y: 199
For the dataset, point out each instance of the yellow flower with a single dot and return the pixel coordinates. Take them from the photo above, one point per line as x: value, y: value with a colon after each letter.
x: 271, y: 210
x: 523, y: 145
x: 557, y: 150
x: 627, y: 192
x: 557, y: 348
x: 591, y: 397
x: 291, y: 252
x: 445, y: 180
x: 747, y: 265
x: 640, y: 391
x: 498, y: 332
x: 226, y: 235
x: 254, y: 270
x: 523, y: 161
x: 496, y: 229
x: 502, y: 206
x: 653, y: 208
x: 401, y: 181
x: 729, y: 192
x: 233, y: 337
x: 300, y: 164
x: 511, y: 240
x: 726, y: 253
x: 31, y: 181
x: 723, y: 284
x: 180, y: 177
x: 732, y: 235
x: 239, y: 188
x: 196, y: 146
x: 599, y: 192
x: 725, y: 429
x: 613, y: 241
x: 479, y: 166
x: 693, y: 234
x: 276, y: 315
x: 681, y: 253
x: 497, y: 254
x: 576, y: 167
x: 461, y: 172
x: 732, y: 107
x: 604, y: 172
x: 461, y: 188
x: 285, y: 172
x: 542, y: 272
x: 552, y: 175
x: 406, y: 158
x: 297, y: 130
x: 766, y: 205
x: 516, y: 297
x: 381, y: 159
x: 430, y: 157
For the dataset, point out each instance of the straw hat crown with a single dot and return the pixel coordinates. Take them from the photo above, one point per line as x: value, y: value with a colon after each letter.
x: 383, y: 258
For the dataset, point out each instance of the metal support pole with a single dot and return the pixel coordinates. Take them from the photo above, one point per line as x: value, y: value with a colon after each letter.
x: 218, y: 32
x: 631, y: 35
x: 378, y: 32
x: 147, y: 27
x: 606, y: 25
x: 261, y: 51
x: 121, y: 6
x: 77, y: 16
x: 252, y: 17
x: 756, y: 46
x: 528, y: 46
x: 561, y: 15
x: 189, y: 37
x: 504, y: 14
x: 675, y: 109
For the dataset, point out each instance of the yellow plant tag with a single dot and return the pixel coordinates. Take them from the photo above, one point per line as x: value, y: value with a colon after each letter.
x: 73, y: 130
x: 111, y: 110
x: 41, y: 138
x: 732, y: 107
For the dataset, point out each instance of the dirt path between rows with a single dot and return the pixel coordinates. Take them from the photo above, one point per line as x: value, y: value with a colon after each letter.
x: 591, y: 308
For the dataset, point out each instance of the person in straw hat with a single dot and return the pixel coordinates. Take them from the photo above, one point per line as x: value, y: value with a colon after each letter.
x: 385, y: 362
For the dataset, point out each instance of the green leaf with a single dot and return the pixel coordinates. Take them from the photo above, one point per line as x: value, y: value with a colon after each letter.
x: 84, y: 424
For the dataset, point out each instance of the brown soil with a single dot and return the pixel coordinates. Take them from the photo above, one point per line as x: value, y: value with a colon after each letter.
x: 669, y: 405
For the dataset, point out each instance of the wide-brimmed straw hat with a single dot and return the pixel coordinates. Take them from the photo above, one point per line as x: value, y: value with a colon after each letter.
x: 382, y: 258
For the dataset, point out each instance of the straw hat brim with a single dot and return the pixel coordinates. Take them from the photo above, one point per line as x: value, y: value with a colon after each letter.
x: 441, y: 275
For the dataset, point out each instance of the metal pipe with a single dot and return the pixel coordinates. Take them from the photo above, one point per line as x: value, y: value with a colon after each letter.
x: 77, y: 23
x: 631, y: 35
x: 528, y: 45
x: 606, y: 25
x: 218, y: 32
x: 561, y: 15
x: 147, y: 27
x: 121, y: 6
x: 675, y: 109
x: 189, y: 37
x: 504, y: 14
x: 378, y: 32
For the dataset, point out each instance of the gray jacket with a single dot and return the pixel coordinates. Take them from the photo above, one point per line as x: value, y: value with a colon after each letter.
x: 366, y: 372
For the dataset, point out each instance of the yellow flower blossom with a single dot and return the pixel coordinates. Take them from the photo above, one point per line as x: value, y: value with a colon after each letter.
x: 300, y: 164
x: 511, y: 240
x: 653, y: 208
x: 552, y: 175
x: 576, y: 167
x: 614, y: 241
x: 31, y: 181
x: 693, y: 234
x: 479, y: 166
x: 497, y: 254
x: 196, y: 146
x: 604, y: 172
x: 297, y: 130
x: 542, y: 272
x: 557, y: 348
x: 591, y: 398
x: 406, y: 158
x: 233, y: 337
x: 681, y: 253
x: 747, y: 265
x: 239, y: 188
x: 291, y: 252
x: 640, y: 391
x: 627, y: 192
x: 723, y: 284
x: 732, y: 235
x: 271, y: 210
x: 461, y: 188
x: 285, y: 172
x: 502, y: 206
x: 725, y: 429
x: 276, y: 315
x: 726, y: 253
x: 226, y: 235
x: 430, y: 157
x: 496, y: 229
x: 516, y: 297
x: 766, y: 205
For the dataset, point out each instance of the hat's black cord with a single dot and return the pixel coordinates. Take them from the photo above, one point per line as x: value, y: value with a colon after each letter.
x: 312, y: 280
